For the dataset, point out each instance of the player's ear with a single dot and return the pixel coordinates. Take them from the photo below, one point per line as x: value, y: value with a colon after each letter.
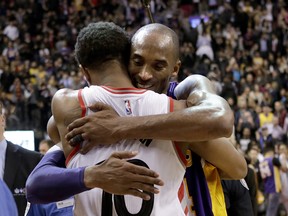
x: 84, y: 71
x: 176, y: 68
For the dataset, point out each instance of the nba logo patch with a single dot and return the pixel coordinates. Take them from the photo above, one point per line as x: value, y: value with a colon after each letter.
x: 128, y: 107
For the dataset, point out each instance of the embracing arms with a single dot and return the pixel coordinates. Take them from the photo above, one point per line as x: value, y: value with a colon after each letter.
x: 50, y: 181
x: 207, y: 107
x: 207, y: 117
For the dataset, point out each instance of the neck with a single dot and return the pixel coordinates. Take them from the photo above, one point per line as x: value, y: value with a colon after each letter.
x: 111, y: 73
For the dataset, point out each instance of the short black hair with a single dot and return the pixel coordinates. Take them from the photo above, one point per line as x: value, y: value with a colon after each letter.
x: 102, y: 41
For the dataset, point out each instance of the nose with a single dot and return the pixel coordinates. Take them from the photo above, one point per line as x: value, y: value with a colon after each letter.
x: 145, y: 74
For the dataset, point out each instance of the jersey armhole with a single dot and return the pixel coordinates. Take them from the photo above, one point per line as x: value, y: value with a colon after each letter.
x: 82, y: 104
x: 83, y: 113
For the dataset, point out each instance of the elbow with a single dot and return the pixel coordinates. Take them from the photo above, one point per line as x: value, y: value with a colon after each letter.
x: 224, y: 123
x: 30, y: 195
x: 33, y: 192
x: 228, y: 125
x: 240, y: 170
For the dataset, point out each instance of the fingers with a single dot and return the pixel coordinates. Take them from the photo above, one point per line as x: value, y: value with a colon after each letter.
x: 145, y: 188
x: 77, y: 139
x: 124, y: 154
x: 98, y: 106
x: 149, y: 180
x: 77, y: 123
x: 72, y: 134
x: 138, y: 193
x: 140, y: 170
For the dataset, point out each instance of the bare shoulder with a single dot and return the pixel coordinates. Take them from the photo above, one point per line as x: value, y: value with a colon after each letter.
x: 65, y: 106
x: 65, y: 109
x: 64, y: 94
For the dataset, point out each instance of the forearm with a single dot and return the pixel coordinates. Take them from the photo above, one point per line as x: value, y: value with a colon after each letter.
x: 208, y: 116
x: 189, y: 125
x: 202, y: 122
x: 223, y: 155
x: 50, y: 181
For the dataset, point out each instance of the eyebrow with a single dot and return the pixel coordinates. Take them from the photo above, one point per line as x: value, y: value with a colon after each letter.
x: 135, y: 55
x: 162, y: 61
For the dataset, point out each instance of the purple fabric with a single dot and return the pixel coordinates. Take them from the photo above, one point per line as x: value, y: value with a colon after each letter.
x: 196, y: 181
x: 50, y: 181
x: 170, y: 91
x: 198, y: 188
x: 269, y: 181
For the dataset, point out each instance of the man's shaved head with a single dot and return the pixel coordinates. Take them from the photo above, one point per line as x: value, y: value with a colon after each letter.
x: 161, y: 32
x: 154, y: 57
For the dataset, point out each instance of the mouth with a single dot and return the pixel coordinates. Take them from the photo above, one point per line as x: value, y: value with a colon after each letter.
x: 144, y: 86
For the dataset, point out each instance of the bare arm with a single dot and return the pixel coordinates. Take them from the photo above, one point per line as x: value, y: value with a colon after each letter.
x: 223, y: 155
x: 199, y: 122
x: 65, y: 109
x: 52, y: 130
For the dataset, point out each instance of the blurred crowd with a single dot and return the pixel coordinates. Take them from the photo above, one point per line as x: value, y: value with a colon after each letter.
x: 241, y: 46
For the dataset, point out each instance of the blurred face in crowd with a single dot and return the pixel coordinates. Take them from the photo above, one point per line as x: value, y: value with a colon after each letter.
x: 246, y: 132
x: 277, y: 106
x: 153, y: 61
x: 266, y: 109
x: 283, y: 149
x: 275, y: 121
x: 253, y: 154
x: 43, y: 148
x: 242, y: 104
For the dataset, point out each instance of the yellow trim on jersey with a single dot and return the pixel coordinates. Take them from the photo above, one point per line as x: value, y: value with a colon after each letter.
x: 277, y: 179
x: 215, y: 188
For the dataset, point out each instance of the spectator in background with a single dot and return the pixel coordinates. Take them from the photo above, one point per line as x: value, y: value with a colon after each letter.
x: 32, y: 105
x: 16, y: 163
x: 266, y: 116
x: 244, y: 117
x: 280, y: 112
x: 283, y: 156
x: 17, y: 97
x: 270, y: 173
x: 255, y: 97
x: 44, y: 104
x: 45, y: 145
x: 246, y: 138
x: 264, y: 138
x: 255, y: 157
x: 11, y: 30
x: 10, y: 53
x: 275, y: 130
